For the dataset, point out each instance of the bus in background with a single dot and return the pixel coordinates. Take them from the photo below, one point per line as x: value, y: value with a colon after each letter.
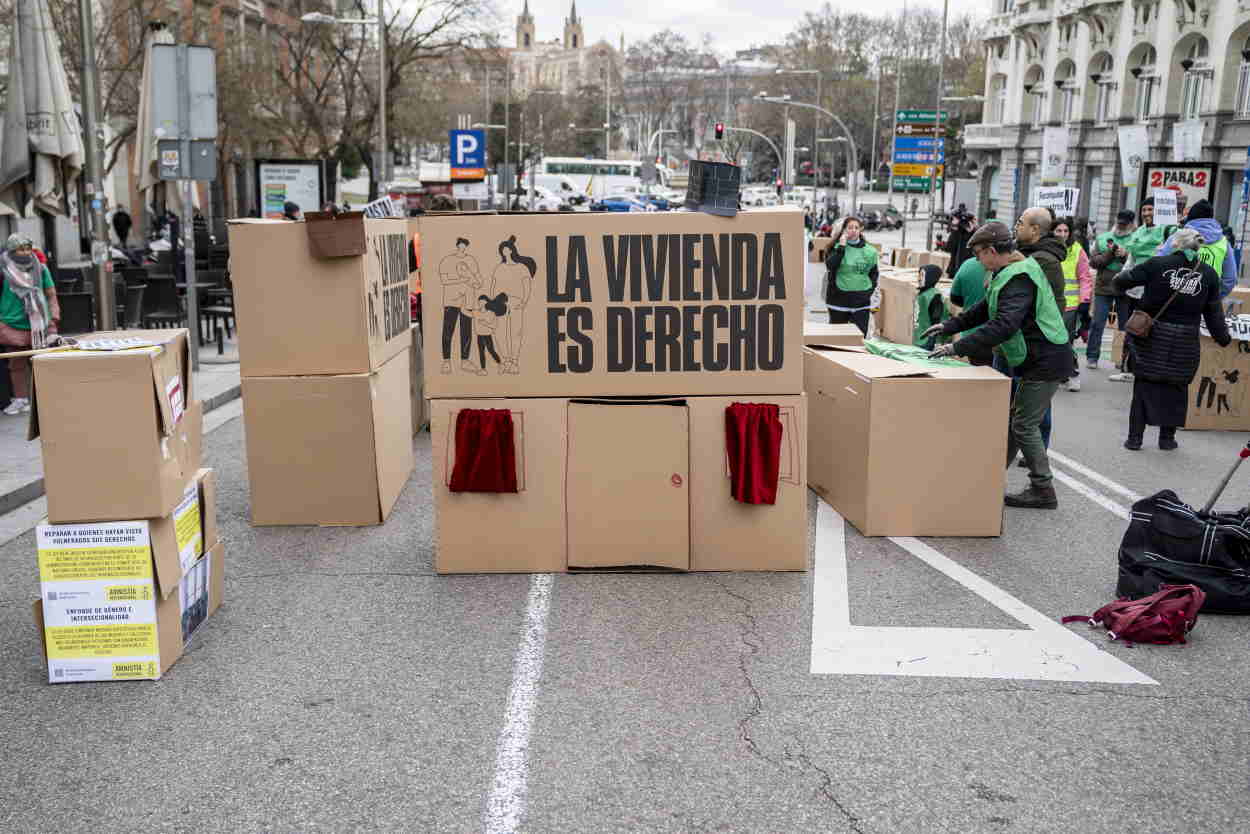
x: 599, y: 177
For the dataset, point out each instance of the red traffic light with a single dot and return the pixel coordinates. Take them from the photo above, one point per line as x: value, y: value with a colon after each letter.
x: 720, y: 131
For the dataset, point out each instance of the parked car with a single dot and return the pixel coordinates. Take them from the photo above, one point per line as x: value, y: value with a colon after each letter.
x: 539, y: 199
x: 562, y: 187
x: 885, y: 216
x: 619, y: 202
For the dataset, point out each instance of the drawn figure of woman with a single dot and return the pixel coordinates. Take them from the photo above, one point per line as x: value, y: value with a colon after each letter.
x: 514, y: 276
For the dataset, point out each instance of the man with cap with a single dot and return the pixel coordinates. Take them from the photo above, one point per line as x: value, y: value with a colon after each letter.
x: 1021, y: 320
x: 1215, y: 250
x: 1107, y: 260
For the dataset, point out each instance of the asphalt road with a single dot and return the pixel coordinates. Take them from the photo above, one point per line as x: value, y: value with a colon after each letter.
x: 345, y: 687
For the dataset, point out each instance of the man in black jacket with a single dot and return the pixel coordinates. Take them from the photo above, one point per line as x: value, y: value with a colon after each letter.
x: 1020, y: 320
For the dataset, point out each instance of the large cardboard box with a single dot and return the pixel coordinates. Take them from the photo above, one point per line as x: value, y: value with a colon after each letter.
x: 900, y: 450
x: 820, y: 333
x: 120, y: 430
x: 1217, y: 396
x: 680, y: 303
x: 301, y: 313
x: 328, y: 449
x: 896, y: 318
x: 106, y: 621
x: 820, y: 250
x: 620, y: 484
x: 899, y: 256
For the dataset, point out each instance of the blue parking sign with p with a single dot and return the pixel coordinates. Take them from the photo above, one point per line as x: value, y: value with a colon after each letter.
x: 468, y: 154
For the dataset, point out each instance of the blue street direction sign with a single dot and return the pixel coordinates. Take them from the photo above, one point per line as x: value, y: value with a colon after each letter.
x: 468, y: 154
x: 919, y: 156
x: 918, y: 143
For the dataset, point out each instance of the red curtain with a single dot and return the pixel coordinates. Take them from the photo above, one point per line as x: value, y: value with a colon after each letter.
x: 485, y: 451
x: 753, y: 441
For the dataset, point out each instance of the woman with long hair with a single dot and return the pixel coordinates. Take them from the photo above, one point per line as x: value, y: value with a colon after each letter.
x: 514, y: 276
x: 851, y: 270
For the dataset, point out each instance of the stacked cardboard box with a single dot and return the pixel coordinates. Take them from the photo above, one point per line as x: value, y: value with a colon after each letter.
x: 130, y: 562
x: 325, y: 344
x: 907, y: 450
x: 616, y: 344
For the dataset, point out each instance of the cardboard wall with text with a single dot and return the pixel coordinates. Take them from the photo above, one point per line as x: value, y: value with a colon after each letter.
x: 679, y: 303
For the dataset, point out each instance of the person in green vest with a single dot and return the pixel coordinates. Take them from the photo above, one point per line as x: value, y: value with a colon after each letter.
x: 1020, y: 320
x: 1107, y: 259
x: 851, y: 270
x: 930, y: 306
x: 1215, y: 251
x: 1078, y: 284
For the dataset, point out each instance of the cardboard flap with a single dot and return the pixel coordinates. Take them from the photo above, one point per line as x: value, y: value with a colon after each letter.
x: 335, y: 235
x: 167, y: 391
x: 870, y: 365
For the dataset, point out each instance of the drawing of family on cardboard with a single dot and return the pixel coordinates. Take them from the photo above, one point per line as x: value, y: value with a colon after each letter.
x: 484, y: 309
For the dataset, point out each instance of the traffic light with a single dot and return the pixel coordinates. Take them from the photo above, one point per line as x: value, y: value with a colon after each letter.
x: 720, y: 131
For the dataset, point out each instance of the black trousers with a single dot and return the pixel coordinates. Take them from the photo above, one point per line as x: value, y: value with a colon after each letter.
x: 452, y: 315
x: 486, y: 343
x: 859, y: 318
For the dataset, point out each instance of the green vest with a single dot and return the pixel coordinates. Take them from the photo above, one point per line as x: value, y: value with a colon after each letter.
x: 1071, y: 283
x: 1213, y: 254
x: 1121, y: 241
x: 923, y: 322
x: 1145, y: 241
x: 1045, y: 309
x: 857, y: 262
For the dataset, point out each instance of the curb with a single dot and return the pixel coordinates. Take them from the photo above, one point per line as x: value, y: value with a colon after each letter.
x: 28, y: 492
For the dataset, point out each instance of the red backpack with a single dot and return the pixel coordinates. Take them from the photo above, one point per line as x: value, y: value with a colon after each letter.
x: 1163, y: 617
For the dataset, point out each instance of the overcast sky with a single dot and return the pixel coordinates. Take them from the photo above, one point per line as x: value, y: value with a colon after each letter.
x: 733, y: 24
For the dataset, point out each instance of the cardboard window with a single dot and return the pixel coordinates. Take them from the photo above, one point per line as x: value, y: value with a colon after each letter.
x: 789, y: 448
x: 335, y: 235
x: 518, y: 435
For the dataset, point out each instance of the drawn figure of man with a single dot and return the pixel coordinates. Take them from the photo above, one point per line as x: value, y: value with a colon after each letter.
x: 461, y: 279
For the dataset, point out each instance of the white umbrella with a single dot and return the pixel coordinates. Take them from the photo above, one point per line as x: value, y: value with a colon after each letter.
x: 145, y: 161
x: 42, y: 154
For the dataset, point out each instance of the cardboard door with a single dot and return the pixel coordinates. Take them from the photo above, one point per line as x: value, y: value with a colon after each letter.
x: 628, y: 502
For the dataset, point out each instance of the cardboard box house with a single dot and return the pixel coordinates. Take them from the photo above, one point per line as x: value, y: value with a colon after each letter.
x: 1218, y: 395
x: 323, y: 297
x: 119, y: 427
x: 820, y: 333
x: 571, y: 305
x: 329, y: 449
x: 119, y: 599
x: 907, y: 450
x: 619, y: 483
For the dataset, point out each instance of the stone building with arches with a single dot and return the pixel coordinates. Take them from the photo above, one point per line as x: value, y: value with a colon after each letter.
x: 1094, y: 65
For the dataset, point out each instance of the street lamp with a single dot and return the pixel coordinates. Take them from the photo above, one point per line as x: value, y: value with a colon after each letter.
x: 815, y: 119
x: 785, y: 100
x: 380, y: 22
x: 937, y: 117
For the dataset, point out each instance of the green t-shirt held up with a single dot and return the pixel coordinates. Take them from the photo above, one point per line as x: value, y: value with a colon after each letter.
x: 12, y: 312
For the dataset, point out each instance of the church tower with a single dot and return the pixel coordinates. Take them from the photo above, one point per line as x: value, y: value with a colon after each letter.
x: 573, y: 37
x: 525, y: 28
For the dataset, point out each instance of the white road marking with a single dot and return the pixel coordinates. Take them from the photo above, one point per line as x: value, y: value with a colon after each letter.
x: 1090, y: 493
x: 1046, y: 650
x: 506, y: 805
x: 1096, y: 477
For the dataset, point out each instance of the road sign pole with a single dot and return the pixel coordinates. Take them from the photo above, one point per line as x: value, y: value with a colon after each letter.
x: 106, y: 309
x: 188, y: 218
x: 937, y: 114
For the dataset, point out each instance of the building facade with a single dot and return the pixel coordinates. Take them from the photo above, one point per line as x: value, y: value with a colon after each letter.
x: 1094, y: 65
x: 564, y: 64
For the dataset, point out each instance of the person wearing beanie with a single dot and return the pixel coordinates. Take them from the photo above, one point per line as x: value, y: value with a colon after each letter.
x: 930, y: 306
x: 290, y: 211
x: 1214, y: 250
x: 29, y: 313
x: 1020, y: 320
x: 1179, y: 290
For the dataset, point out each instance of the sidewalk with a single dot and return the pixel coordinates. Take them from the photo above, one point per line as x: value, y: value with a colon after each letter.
x: 21, y: 464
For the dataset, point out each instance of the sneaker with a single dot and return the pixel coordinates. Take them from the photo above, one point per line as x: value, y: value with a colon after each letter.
x: 1033, y: 498
x: 1121, y: 377
x: 1133, y: 444
x: 1092, y: 364
x: 17, y: 405
x: 1074, y: 384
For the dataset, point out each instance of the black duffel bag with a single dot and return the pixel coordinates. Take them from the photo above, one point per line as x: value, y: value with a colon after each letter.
x: 1169, y: 542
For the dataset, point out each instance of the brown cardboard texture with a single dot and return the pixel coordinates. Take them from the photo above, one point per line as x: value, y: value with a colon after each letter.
x: 820, y: 250
x: 181, y: 538
x: 304, y: 315
x: 333, y: 235
x: 820, y: 333
x: 1217, y: 396
x: 619, y: 484
x: 900, y: 450
x: 178, y: 618
x: 420, y: 411
x: 680, y: 303
x: 900, y: 256
x: 328, y: 449
x: 138, y: 400
x: 727, y: 535
x: 896, y: 319
x: 524, y: 532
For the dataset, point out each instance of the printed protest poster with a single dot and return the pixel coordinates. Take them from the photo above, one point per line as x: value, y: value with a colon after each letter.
x: 188, y: 530
x: 1061, y: 200
x: 99, y: 601
x: 1165, y: 207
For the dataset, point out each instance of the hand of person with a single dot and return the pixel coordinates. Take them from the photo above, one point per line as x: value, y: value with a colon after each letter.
x: 934, y: 330
x: 942, y: 352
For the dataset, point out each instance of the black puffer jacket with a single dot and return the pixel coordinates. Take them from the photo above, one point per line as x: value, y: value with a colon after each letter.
x: 1049, y: 253
x: 1171, y: 352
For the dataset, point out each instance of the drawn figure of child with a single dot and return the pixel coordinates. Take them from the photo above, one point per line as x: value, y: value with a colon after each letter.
x: 485, y: 321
